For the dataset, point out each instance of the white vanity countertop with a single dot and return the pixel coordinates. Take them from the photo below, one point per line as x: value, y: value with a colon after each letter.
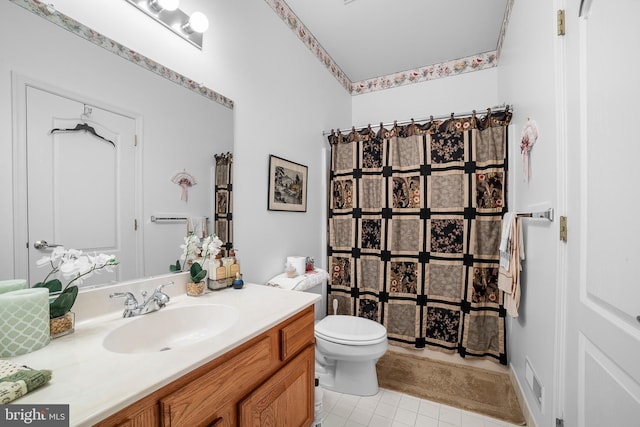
x: 97, y: 383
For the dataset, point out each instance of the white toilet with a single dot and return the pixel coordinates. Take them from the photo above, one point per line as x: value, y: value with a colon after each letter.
x: 347, y: 349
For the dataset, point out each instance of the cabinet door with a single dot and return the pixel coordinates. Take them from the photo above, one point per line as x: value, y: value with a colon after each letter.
x: 285, y: 399
x: 133, y: 417
x: 210, y: 400
x: 296, y: 335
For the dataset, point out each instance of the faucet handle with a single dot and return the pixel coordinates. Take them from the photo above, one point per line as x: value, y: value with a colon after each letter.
x: 159, y: 288
x: 161, y: 298
x: 130, y: 302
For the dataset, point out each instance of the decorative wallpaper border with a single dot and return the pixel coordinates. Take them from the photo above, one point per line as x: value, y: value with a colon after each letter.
x: 429, y: 72
x: 50, y: 14
x: 293, y: 22
x: 477, y: 62
x: 505, y: 24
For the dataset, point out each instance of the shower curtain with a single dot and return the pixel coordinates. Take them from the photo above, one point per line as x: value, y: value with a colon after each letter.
x: 223, y: 212
x: 415, y: 218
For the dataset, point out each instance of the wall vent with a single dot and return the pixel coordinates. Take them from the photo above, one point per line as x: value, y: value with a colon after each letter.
x: 534, y: 383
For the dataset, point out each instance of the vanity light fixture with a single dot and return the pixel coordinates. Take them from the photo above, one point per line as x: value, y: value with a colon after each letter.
x: 160, y: 5
x: 167, y: 13
x: 198, y: 23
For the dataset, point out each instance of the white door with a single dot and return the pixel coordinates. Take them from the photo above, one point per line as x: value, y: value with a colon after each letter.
x: 80, y: 187
x: 602, y: 382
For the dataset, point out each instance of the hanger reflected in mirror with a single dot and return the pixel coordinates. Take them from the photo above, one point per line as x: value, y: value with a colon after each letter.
x: 85, y: 128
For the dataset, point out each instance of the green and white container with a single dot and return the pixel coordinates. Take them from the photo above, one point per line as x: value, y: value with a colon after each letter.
x: 24, y: 321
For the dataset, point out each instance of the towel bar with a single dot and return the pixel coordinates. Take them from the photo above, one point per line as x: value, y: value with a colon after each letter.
x: 548, y: 214
x: 170, y: 218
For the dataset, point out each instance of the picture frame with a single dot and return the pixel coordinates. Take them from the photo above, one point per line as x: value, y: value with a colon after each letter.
x: 287, y: 185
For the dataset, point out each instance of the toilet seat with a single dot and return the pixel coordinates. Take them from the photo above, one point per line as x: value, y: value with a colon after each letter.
x: 350, y: 330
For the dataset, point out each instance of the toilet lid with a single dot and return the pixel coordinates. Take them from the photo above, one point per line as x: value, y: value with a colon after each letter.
x: 350, y: 330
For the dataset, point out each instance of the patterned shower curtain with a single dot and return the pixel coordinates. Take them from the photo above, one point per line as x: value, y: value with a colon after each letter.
x: 223, y: 213
x: 415, y: 219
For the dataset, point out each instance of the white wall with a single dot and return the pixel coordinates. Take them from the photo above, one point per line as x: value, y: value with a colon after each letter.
x: 457, y: 94
x: 284, y: 99
x: 526, y: 75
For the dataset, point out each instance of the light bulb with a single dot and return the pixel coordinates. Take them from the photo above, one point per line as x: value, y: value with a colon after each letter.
x: 160, y: 5
x: 198, y: 22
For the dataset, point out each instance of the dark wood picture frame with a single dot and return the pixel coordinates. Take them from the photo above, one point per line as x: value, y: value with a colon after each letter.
x: 287, y: 185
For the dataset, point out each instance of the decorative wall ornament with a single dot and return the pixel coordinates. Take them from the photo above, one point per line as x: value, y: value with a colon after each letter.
x: 529, y: 138
x: 185, y: 180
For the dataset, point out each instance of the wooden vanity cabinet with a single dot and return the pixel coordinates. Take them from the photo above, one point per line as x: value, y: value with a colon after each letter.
x: 267, y: 381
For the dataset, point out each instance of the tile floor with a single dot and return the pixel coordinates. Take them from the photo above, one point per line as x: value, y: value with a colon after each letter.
x: 392, y: 409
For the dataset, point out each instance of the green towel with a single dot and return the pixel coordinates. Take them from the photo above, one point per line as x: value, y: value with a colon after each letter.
x: 19, y: 380
x: 32, y: 378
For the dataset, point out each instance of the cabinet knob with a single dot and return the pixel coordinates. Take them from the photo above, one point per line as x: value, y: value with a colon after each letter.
x: 215, y: 422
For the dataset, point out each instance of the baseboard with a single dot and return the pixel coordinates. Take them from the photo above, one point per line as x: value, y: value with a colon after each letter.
x: 524, y: 406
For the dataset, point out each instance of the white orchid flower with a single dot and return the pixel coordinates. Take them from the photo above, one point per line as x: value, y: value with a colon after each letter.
x: 56, y: 255
x: 191, y: 248
x: 72, y: 263
x: 45, y: 260
x: 211, y: 246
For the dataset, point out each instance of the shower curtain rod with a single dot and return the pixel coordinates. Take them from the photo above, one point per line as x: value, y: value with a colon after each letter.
x: 502, y: 107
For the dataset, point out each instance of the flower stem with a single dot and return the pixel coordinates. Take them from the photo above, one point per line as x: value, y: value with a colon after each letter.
x: 54, y: 269
x: 93, y: 268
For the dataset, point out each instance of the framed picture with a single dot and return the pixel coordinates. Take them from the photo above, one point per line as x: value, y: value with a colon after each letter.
x: 287, y: 185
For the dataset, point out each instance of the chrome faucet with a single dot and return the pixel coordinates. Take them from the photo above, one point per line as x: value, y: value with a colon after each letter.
x: 155, y: 302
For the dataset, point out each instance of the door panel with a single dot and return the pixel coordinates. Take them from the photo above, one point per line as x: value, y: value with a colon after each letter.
x: 80, y: 188
x: 608, y: 390
x: 83, y: 167
x: 610, y: 103
x: 602, y: 381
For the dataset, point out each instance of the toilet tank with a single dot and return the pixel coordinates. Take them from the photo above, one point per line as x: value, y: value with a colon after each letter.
x: 321, y: 305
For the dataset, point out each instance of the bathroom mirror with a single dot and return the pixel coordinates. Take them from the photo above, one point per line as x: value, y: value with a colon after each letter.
x: 64, y: 74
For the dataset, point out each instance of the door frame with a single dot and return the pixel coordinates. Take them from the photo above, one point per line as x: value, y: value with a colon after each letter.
x: 19, y: 84
x: 562, y: 206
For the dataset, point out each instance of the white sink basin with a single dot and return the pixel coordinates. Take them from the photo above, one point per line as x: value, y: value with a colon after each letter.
x: 171, y: 328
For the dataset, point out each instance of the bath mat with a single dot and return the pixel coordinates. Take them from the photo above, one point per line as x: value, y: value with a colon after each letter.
x: 468, y: 388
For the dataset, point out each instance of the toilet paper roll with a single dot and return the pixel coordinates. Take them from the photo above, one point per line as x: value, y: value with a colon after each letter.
x: 298, y: 262
x: 24, y: 321
x: 12, y: 285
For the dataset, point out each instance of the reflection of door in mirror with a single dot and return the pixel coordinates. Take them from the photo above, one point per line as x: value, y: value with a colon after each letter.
x: 81, y: 191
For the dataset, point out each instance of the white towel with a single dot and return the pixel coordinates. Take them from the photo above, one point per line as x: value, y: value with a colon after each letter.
x: 299, y: 283
x: 197, y: 225
x: 505, y: 239
x: 506, y: 231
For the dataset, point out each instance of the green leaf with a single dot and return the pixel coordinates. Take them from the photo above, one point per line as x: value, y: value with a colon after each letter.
x: 199, y: 277
x: 197, y: 273
x: 175, y: 267
x: 63, y: 303
x: 53, y: 285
